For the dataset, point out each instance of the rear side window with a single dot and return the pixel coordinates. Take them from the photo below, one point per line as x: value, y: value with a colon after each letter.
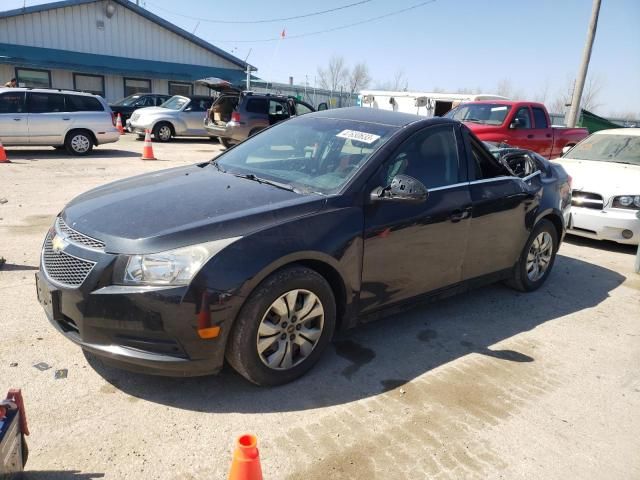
x: 46, y: 103
x: 540, y: 118
x: 78, y: 103
x: 12, y: 102
x: 258, y: 105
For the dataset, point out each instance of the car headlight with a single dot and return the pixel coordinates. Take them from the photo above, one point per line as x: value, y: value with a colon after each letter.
x: 626, y: 201
x: 173, y: 267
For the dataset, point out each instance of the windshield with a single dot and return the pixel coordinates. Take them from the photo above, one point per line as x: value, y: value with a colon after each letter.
x: 127, y: 101
x: 311, y: 154
x: 484, y: 113
x: 608, y: 148
x: 175, y: 103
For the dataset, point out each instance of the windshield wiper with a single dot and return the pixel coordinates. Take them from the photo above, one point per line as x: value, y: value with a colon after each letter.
x: 474, y: 120
x: 621, y: 161
x: 255, y: 178
x: 214, y: 162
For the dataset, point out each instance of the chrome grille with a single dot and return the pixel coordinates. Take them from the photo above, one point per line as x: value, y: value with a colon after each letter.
x: 63, y: 268
x: 76, y: 237
x: 587, y: 200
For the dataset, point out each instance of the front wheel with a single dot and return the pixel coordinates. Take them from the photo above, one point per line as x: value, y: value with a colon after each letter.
x: 283, y: 328
x: 79, y: 143
x: 537, y: 258
x: 162, y: 132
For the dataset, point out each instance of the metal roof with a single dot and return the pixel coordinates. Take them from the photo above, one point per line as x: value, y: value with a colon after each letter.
x: 140, y: 11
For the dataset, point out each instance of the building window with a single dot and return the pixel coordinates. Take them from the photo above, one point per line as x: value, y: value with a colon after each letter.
x: 33, y: 78
x: 89, y: 83
x: 178, y: 88
x: 136, y: 85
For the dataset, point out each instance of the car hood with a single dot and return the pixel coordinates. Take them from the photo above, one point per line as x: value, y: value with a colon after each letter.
x: 153, y: 110
x: 606, y: 178
x: 182, y: 206
x: 479, y: 128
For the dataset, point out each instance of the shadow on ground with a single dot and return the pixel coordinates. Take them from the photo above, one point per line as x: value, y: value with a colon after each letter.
x: 47, y: 153
x: 60, y: 475
x: 12, y: 267
x: 386, y: 354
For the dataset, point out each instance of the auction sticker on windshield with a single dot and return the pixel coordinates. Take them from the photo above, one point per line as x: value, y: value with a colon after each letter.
x: 360, y: 136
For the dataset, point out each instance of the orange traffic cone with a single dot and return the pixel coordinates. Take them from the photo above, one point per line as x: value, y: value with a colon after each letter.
x: 147, y: 149
x: 246, y: 461
x: 119, y: 125
x: 3, y: 155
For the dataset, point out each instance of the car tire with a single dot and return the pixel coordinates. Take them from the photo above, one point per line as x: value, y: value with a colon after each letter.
x: 79, y: 142
x: 254, y: 131
x: 227, y: 143
x: 282, y: 295
x: 139, y: 137
x: 537, y: 258
x: 162, y: 132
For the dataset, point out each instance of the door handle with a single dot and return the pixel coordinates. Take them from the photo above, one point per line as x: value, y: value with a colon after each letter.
x: 530, y: 135
x: 458, y: 215
x: 548, y: 135
x: 66, y: 119
x: 17, y: 119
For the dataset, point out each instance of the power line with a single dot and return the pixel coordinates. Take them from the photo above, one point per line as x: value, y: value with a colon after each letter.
x: 270, y: 20
x: 341, y: 27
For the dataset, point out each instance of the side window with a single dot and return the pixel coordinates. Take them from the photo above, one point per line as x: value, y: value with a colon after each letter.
x: 278, y: 108
x: 481, y: 163
x: 430, y: 156
x: 81, y: 103
x: 257, y: 105
x: 161, y: 100
x: 540, y: 118
x: 46, y: 103
x: 199, y: 105
x: 12, y: 102
x: 301, y: 109
x: 522, y: 115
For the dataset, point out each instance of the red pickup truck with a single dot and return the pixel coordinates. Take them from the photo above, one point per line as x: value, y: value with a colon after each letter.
x: 520, y: 124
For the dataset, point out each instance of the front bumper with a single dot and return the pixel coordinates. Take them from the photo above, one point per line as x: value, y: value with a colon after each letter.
x: 605, y: 224
x: 143, y: 329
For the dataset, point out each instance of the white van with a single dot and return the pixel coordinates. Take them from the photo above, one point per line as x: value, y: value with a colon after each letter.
x: 427, y: 104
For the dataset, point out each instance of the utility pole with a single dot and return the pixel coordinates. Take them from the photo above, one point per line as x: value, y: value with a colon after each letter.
x: 574, y: 111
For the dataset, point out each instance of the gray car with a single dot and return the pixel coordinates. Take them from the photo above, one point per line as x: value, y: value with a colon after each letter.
x: 237, y: 115
x: 58, y: 118
x: 177, y: 117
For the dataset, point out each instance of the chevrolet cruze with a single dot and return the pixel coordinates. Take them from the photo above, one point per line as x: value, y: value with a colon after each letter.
x: 311, y: 226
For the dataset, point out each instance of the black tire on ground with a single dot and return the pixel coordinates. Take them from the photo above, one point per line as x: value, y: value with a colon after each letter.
x: 242, y: 350
x: 162, y: 132
x: 227, y: 143
x: 25, y: 451
x: 140, y: 137
x: 254, y: 131
x: 520, y: 279
x: 79, y: 142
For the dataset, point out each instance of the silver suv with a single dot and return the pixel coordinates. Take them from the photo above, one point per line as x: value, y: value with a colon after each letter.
x: 58, y: 118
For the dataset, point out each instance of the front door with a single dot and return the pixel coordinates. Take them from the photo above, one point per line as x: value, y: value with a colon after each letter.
x: 410, y: 249
x: 522, y: 135
x: 48, y: 119
x: 194, y: 114
x: 502, y: 213
x: 14, y: 119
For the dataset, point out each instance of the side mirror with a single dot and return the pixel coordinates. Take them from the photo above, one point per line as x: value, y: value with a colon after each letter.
x: 323, y: 106
x: 566, y: 149
x: 403, y: 188
x: 515, y: 124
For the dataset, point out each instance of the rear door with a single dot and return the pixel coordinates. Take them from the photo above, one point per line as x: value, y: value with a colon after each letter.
x: 49, y: 119
x: 502, y: 212
x: 542, y: 139
x: 411, y: 249
x: 14, y: 119
x: 194, y: 114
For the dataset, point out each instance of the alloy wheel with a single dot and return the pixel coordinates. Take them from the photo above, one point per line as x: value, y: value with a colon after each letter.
x: 539, y: 256
x: 80, y: 144
x: 290, y: 329
x: 164, y: 132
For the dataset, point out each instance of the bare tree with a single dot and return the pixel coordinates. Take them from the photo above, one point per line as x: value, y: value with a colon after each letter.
x: 542, y: 94
x: 504, y: 88
x: 590, y: 95
x: 359, y: 77
x: 335, y: 75
x: 399, y: 83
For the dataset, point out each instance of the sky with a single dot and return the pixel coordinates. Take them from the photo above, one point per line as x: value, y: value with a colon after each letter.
x: 536, y: 46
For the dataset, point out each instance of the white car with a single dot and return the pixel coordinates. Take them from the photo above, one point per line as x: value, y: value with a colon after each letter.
x: 605, y: 168
x: 178, y: 116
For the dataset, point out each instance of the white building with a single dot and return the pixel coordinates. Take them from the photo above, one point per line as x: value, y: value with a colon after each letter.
x: 109, y: 47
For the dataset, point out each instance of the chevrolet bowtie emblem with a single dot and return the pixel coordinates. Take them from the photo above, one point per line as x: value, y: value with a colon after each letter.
x: 58, y: 244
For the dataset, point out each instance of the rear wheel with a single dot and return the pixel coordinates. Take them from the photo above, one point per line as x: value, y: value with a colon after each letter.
x: 228, y: 143
x: 79, y: 142
x: 162, y: 132
x: 537, y: 258
x: 283, y: 328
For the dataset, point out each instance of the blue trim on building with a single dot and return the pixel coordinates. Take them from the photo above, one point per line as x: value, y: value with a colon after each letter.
x: 106, y: 64
x: 140, y: 11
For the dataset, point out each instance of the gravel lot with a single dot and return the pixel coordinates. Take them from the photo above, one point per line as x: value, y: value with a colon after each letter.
x: 492, y: 384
